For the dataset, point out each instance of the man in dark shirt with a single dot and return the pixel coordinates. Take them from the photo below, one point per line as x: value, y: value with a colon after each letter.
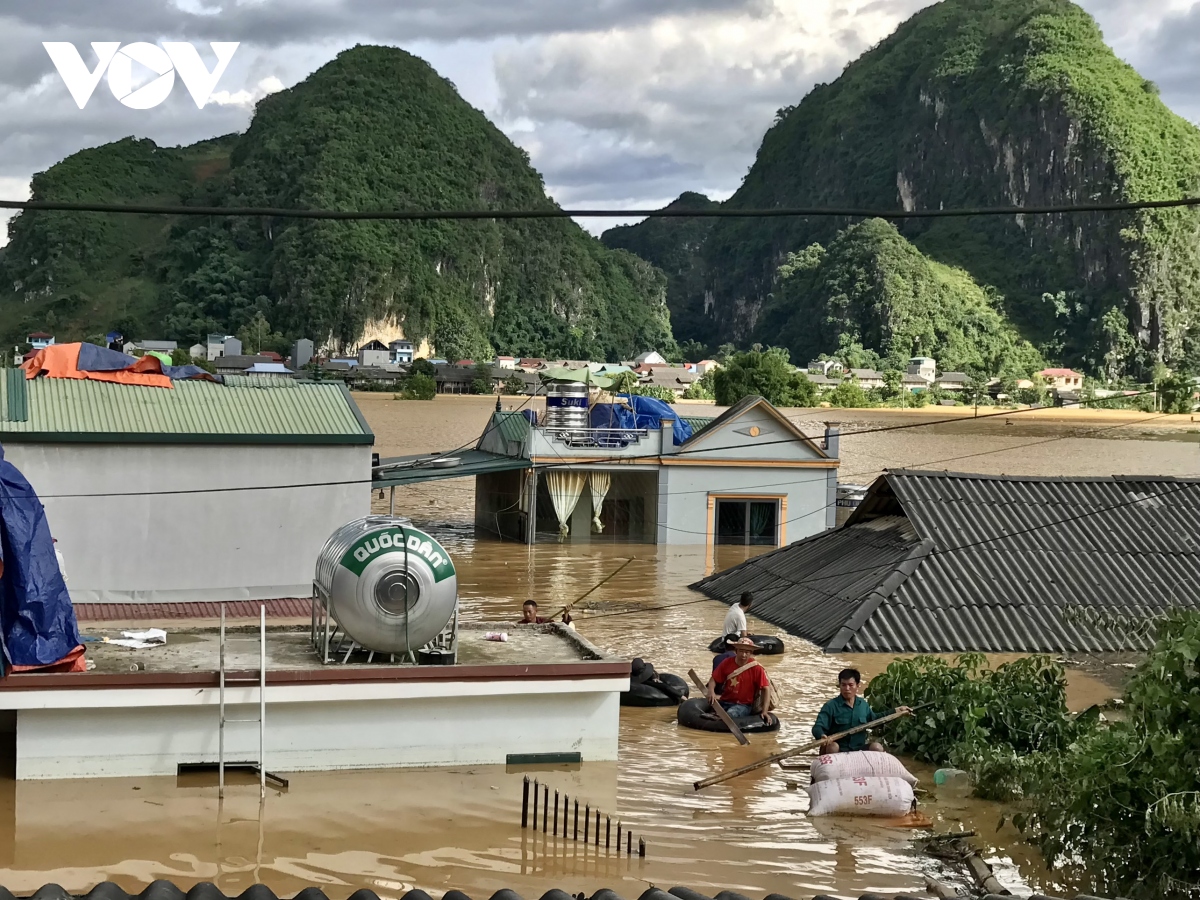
x: 845, y: 711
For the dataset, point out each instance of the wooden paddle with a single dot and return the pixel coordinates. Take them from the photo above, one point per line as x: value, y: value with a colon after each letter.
x: 720, y: 711
x: 812, y: 745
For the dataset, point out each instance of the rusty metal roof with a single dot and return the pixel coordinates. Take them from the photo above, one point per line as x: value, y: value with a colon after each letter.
x: 165, y: 890
x: 934, y: 562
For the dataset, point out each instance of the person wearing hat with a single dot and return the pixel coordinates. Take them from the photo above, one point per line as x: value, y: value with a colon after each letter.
x: 746, y: 690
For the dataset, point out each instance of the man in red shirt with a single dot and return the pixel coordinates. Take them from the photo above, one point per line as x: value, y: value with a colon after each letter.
x: 746, y: 686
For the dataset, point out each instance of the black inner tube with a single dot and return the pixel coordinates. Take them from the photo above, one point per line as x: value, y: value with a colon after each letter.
x: 691, y: 714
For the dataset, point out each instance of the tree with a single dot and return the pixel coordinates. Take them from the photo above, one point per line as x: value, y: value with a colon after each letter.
x: 483, y: 382
x: 418, y: 387
x: 701, y: 388
x: 848, y: 395
x: 725, y: 353
x: 658, y: 392
x: 514, y: 385
x: 255, y: 333
x: 423, y: 367
x: 766, y: 373
x: 624, y: 383
x: 692, y: 351
x: 1176, y: 393
x: 181, y: 357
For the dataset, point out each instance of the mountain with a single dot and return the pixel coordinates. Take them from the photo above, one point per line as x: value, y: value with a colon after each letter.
x: 674, y: 245
x: 986, y: 103
x: 873, y: 288
x: 375, y: 128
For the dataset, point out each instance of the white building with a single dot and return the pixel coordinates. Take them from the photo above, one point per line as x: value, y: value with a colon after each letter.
x: 923, y: 367
x: 401, y: 352
x: 197, y: 492
x: 649, y: 358
x: 198, y: 351
x: 830, y: 368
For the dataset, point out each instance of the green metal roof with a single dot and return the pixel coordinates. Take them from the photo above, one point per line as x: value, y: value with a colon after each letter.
x: 246, y: 409
x: 415, y: 469
x: 698, y: 423
x: 513, y: 426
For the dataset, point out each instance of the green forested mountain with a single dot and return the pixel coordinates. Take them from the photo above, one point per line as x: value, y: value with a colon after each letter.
x: 375, y: 128
x: 674, y: 246
x: 985, y: 102
x: 873, y: 288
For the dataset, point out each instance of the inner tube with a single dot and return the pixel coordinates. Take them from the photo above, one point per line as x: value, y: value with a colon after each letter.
x: 767, y: 645
x: 674, y: 685
x: 646, y: 695
x: 691, y: 715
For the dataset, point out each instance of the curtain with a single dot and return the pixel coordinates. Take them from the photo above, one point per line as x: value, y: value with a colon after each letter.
x: 565, y: 487
x: 600, y: 482
x: 761, y: 515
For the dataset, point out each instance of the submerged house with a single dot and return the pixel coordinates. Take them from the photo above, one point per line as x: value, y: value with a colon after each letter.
x: 940, y: 562
x: 748, y: 476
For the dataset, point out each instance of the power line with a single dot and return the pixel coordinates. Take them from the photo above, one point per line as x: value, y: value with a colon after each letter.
x: 554, y: 212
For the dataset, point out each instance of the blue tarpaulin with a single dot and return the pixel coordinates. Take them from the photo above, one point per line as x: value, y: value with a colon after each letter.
x: 37, y: 620
x: 102, y: 359
x: 641, y: 412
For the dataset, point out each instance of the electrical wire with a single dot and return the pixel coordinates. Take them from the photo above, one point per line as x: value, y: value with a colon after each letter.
x: 555, y: 212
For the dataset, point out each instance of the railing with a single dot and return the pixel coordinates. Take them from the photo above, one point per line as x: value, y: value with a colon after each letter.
x: 596, y: 438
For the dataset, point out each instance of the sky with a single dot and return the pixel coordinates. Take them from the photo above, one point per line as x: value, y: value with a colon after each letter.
x: 620, y: 103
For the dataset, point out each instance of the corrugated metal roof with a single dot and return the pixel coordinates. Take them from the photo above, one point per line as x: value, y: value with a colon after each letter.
x: 415, y: 469
x: 165, y: 890
x: 513, y: 426
x: 1013, y: 564
x: 257, y: 409
x: 698, y: 423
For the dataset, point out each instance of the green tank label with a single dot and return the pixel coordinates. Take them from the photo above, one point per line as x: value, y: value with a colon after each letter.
x: 420, y: 544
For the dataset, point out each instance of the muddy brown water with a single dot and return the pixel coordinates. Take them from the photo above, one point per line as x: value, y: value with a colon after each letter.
x: 459, y: 828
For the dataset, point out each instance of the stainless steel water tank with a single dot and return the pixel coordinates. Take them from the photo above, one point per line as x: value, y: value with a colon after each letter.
x: 566, y: 406
x: 391, y: 586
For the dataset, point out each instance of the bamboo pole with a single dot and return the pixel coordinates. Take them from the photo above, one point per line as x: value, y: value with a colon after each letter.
x: 593, y: 589
x: 721, y: 714
x: 812, y: 745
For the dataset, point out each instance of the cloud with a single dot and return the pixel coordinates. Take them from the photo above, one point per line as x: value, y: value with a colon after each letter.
x: 681, y: 103
x: 11, y: 189
x: 244, y: 98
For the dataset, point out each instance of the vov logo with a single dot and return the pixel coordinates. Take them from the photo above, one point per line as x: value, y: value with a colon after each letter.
x: 173, y: 57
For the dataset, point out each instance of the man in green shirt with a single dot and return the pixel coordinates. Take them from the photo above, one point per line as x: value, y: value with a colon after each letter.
x: 845, y: 711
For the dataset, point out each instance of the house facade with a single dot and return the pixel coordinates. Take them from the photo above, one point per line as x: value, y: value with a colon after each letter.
x: 748, y: 477
x: 1062, y: 379
x: 401, y: 352
x: 924, y: 367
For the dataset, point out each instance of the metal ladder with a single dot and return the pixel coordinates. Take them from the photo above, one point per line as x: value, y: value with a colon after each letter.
x: 262, y: 707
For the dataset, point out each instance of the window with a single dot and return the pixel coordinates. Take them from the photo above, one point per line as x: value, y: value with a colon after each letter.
x: 747, y: 522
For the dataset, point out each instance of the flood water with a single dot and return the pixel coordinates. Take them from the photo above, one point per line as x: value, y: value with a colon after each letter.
x: 460, y: 828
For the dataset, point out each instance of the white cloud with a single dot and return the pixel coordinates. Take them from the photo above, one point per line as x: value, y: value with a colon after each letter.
x: 11, y: 189
x: 244, y: 98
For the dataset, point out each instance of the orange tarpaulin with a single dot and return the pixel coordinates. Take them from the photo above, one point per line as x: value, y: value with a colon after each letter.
x: 72, y: 662
x: 62, y: 361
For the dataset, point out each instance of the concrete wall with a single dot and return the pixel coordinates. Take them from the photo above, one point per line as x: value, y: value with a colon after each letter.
x: 684, y: 493
x: 123, y: 540
x: 381, y: 725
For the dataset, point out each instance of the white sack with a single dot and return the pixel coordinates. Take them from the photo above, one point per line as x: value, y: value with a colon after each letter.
x: 864, y: 763
x: 862, y: 796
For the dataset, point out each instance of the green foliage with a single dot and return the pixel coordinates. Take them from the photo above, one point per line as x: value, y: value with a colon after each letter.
x: 375, y: 128
x: 624, y: 383
x: 513, y: 385
x: 872, y: 288
x: 418, y: 387
x: 1122, y: 800
x: 482, y: 383
x: 666, y: 395
x: 673, y: 246
x: 181, y: 357
x: 1019, y: 707
x: 848, y: 395
x: 701, y: 388
x: 765, y: 373
x: 422, y: 367
x: 1176, y: 394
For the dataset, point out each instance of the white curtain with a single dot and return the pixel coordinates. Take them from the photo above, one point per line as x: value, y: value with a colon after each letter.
x: 600, y: 482
x: 564, y: 487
